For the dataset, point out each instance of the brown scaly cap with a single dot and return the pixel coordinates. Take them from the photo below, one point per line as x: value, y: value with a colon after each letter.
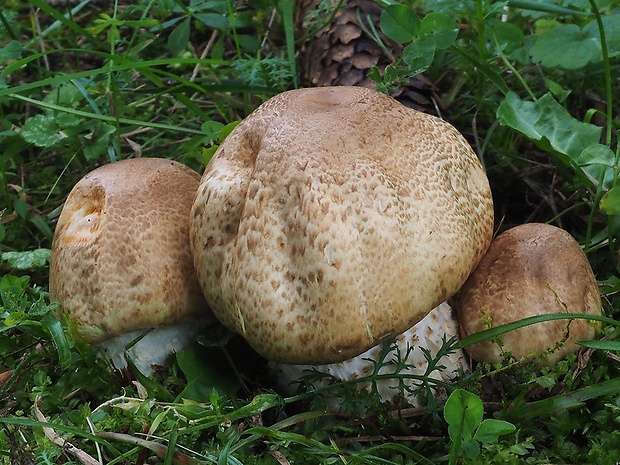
x: 120, y: 256
x: 332, y: 218
x: 529, y: 270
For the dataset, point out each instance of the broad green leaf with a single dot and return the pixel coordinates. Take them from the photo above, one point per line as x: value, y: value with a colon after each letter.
x: 212, y: 129
x: 42, y: 131
x: 207, y: 154
x: 10, y: 51
x: 490, y: 430
x: 29, y: 260
x: 463, y: 412
x: 214, y: 20
x: 610, y: 203
x: 611, y: 24
x: 400, y: 23
x: 67, y: 120
x: 471, y: 447
x: 567, y: 46
x: 179, y: 37
x: 227, y: 130
x: 548, y: 124
x: 441, y: 27
x: 205, y: 370
x: 596, y: 162
x: 10, y: 281
x: 97, y: 143
x: 419, y: 55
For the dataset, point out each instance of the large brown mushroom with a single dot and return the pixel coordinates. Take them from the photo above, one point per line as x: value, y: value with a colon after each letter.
x: 333, y: 218
x: 121, y: 260
x: 532, y: 269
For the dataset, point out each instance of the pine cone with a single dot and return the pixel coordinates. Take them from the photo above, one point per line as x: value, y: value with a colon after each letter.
x: 344, y: 52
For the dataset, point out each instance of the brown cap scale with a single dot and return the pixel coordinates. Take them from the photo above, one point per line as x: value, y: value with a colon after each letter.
x: 529, y: 270
x: 332, y: 218
x: 120, y: 256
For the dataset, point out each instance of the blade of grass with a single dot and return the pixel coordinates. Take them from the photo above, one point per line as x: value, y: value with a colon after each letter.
x: 556, y: 404
x: 108, y: 119
x: 502, y: 329
x: 123, y: 64
x: 52, y: 325
x: 288, y: 19
x: 56, y: 24
x: 601, y: 345
x: 46, y: 8
x: 546, y: 7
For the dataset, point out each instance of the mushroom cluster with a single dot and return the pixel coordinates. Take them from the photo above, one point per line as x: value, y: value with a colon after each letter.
x: 121, y: 261
x: 329, y: 221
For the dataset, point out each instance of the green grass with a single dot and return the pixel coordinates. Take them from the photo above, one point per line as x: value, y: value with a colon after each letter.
x: 95, y: 84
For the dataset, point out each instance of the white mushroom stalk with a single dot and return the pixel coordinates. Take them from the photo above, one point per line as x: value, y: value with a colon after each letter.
x: 121, y: 262
x: 429, y: 334
x: 334, y: 218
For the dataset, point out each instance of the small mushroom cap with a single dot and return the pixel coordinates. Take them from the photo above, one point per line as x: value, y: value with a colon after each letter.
x: 332, y: 218
x: 121, y: 259
x: 529, y: 270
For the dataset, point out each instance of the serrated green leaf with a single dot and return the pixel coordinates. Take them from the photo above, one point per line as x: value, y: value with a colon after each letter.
x: 28, y: 260
x: 441, y: 27
x: 610, y: 203
x: 400, y: 23
x: 611, y: 24
x: 566, y: 46
x: 42, y: 131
